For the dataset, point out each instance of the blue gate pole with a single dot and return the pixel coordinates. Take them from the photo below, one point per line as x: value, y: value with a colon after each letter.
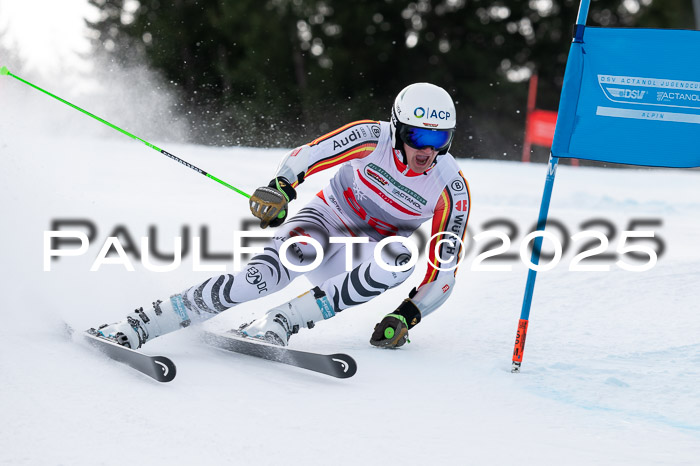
x: 542, y: 222
x: 582, y: 12
x: 535, y: 259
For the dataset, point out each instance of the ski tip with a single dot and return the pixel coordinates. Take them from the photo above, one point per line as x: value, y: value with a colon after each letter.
x: 166, y: 367
x: 346, y: 364
x: 4, y: 71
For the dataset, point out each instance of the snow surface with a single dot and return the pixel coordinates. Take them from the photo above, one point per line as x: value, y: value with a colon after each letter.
x: 611, y: 369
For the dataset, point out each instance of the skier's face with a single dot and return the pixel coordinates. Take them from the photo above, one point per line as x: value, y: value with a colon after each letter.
x: 419, y: 160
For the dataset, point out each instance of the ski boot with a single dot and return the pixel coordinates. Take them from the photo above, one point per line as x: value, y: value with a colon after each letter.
x: 142, y: 326
x: 281, y: 322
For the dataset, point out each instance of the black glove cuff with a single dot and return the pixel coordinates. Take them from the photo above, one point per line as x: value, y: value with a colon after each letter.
x: 278, y: 221
x: 410, y: 312
x: 285, y: 186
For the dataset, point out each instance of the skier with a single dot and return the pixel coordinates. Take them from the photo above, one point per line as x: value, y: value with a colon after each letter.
x: 394, y: 176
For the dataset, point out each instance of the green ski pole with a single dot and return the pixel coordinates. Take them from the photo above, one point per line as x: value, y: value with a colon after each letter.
x: 5, y: 72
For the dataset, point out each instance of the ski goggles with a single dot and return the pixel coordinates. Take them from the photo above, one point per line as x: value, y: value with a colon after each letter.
x: 418, y: 138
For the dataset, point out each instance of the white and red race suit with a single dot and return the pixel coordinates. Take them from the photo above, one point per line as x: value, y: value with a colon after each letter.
x: 374, y: 194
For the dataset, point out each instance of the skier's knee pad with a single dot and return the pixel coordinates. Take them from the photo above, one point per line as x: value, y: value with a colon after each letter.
x: 395, y: 256
x: 388, y: 278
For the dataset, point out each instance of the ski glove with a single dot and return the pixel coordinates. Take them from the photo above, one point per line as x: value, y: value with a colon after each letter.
x: 392, y: 331
x: 269, y: 203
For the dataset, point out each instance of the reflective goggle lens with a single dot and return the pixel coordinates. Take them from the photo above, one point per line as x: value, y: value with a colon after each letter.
x: 419, y: 138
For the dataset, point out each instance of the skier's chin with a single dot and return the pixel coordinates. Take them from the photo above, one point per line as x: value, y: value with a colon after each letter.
x: 421, y: 163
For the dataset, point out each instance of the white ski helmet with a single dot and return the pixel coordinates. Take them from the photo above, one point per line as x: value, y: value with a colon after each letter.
x: 423, y: 115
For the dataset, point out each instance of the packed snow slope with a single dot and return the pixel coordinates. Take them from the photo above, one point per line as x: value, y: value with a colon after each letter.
x: 611, y: 373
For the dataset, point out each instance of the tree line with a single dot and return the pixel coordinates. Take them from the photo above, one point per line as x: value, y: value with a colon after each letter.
x: 281, y: 72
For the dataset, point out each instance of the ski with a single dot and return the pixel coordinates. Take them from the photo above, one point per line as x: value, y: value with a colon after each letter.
x: 336, y: 365
x: 160, y: 368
